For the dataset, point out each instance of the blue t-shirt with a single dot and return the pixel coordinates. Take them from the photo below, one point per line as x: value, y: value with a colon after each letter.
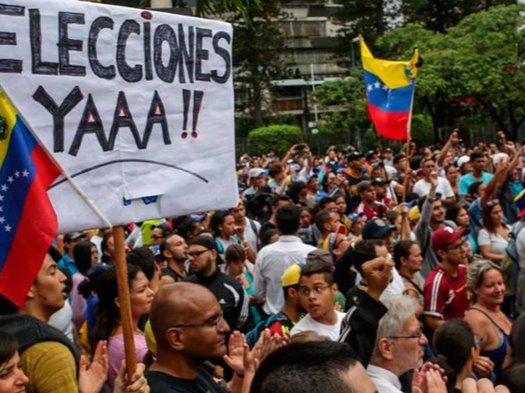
x: 466, y: 180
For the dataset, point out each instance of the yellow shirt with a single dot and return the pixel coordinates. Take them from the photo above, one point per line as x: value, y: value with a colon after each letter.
x: 50, y: 367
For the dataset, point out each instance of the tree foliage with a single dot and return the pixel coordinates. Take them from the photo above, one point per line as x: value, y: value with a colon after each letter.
x: 441, y: 15
x: 277, y: 137
x: 257, y: 48
x: 476, y: 67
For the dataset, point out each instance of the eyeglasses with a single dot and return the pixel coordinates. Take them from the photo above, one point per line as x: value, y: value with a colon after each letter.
x: 209, y: 323
x: 417, y: 335
x: 317, y: 289
x: 195, y: 254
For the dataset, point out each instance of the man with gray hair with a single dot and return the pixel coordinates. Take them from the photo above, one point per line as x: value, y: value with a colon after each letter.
x: 399, y: 344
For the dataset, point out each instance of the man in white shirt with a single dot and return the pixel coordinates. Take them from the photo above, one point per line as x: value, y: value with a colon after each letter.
x: 316, y: 294
x: 422, y: 186
x: 275, y: 258
x: 399, y: 344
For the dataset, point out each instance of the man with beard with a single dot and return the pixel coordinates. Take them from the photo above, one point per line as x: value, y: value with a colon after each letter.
x: 432, y: 218
x: 174, y: 251
x: 202, y: 252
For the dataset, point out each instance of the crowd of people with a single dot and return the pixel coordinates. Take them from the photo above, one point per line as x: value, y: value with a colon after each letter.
x: 385, y: 271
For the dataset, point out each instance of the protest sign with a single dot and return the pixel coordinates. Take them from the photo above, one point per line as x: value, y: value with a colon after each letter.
x: 136, y: 106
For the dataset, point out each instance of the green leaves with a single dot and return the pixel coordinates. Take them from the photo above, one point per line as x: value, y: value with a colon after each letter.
x: 277, y: 137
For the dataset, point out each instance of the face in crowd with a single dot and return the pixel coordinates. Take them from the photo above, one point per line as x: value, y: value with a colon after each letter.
x: 227, y: 228
x: 317, y: 295
x: 141, y: 296
x: 12, y: 378
x: 438, y: 212
x: 49, y: 288
x: 202, y: 260
x: 176, y: 248
x: 455, y: 253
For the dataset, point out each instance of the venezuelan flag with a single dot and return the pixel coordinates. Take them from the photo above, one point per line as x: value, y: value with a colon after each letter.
x: 389, y: 93
x: 28, y: 221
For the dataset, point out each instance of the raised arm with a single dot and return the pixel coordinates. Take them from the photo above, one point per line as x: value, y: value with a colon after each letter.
x: 453, y: 140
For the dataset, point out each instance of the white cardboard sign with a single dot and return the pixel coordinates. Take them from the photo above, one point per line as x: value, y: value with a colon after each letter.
x: 136, y: 106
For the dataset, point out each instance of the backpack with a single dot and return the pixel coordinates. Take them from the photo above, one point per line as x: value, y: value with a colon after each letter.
x: 511, y: 262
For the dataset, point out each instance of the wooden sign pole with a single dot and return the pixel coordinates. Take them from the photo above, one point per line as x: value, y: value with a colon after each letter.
x: 124, y: 300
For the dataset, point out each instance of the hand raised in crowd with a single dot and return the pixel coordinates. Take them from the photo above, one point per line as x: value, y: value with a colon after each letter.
x: 377, y: 273
x: 91, y: 377
x: 483, y: 366
x: 454, y: 138
x: 482, y: 386
x: 138, y: 383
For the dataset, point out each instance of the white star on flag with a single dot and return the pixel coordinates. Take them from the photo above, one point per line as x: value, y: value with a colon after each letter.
x: 369, y: 87
x: 10, y: 179
x: 8, y: 228
x: 1, y: 198
x: 1, y: 209
x: 376, y: 85
x: 25, y: 173
x: 2, y: 220
x: 384, y: 87
x: 17, y: 174
x: 4, y: 187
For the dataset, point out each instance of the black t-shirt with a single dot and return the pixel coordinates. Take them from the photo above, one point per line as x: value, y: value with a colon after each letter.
x: 160, y: 382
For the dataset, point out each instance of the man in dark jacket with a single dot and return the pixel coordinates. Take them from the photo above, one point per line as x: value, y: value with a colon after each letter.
x: 202, y: 252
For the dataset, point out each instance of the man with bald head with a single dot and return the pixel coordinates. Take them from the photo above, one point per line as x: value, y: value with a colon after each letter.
x: 189, y: 328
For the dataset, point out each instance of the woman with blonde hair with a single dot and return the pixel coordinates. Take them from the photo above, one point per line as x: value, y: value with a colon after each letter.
x: 489, y: 323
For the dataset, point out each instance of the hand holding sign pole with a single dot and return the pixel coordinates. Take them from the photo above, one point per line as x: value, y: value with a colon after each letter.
x: 111, y: 99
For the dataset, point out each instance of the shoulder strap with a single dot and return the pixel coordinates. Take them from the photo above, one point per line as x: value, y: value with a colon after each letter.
x: 490, y: 319
x: 253, y: 226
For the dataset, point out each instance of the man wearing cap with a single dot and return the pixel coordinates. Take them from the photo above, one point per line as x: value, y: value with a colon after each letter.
x: 275, y: 258
x: 202, y: 252
x: 282, y: 322
x: 422, y: 186
x: 257, y: 181
x: 356, y: 171
x: 381, y: 232
x: 368, y: 205
x: 388, y: 157
x: 445, y: 292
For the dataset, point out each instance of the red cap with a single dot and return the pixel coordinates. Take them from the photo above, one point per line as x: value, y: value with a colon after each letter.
x: 445, y: 236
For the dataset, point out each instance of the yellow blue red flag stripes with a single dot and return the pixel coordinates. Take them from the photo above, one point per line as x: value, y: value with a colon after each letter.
x: 28, y: 222
x: 389, y: 93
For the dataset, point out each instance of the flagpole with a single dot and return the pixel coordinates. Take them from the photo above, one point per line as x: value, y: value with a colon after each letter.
x: 64, y: 173
x: 409, y: 140
x: 407, y: 166
x: 119, y: 257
